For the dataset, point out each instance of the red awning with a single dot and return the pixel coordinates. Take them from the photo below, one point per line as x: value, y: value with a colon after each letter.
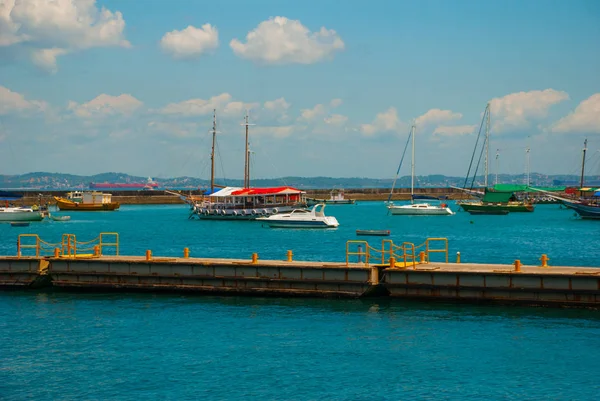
x: 266, y: 191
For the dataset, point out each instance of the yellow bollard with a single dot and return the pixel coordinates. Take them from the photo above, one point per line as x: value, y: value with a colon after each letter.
x: 148, y: 254
x: 422, y: 257
x: 186, y: 253
x: 289, y: 255
x: 255, y: 257
x: 96, y: 250
x: 544, y: 260
x: 457, y: 257
x: 56, y: 252
x: 392, y: 262
x: 517, y: 265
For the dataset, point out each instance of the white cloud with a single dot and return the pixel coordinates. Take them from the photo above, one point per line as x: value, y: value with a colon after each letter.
x: 277, y: 105
x: 197, y: 107
x: 282, y: 41
x: 312, y: 114
x: 436, y: 116
x: 238, y: 109
x: 336, y: 119
x: 516, y: 110
x: 53, y: 28
x: 13, y: 102
x: 190, y: 42
x: 454, y: 130
x: 383, y: 122
x: 335, y: 103
x: 46, y: 58
x: 585, y: 118
x: 105, y: 105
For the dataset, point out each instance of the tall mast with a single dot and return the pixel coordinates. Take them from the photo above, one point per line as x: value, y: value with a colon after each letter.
x: 497, y: 155
x: 212, y: 152
x: 528, y: 166
x: 412, y: 167
x: 583, y: 162
x: 247, y: 156
x: 487, y: 144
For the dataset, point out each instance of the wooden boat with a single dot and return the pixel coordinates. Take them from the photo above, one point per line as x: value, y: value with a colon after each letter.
x: 86, y: 201
x: 381, y: 233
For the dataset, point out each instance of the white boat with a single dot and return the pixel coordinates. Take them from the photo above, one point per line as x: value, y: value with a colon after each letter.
x: 302, y: 218
x: 417, y: 209
x: 336, y: 197
x: 9, y: 214
x: 14, y: 213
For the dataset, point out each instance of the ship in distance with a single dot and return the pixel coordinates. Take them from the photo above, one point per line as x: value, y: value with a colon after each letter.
x: 148, y: 185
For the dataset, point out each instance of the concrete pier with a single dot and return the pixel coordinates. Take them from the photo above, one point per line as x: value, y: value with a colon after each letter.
x: 530, y: 285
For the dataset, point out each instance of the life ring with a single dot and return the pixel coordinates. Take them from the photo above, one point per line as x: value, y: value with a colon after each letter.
x: 204, y: 211
x: 275, y: 210
x: 443, y: 205
x: 223, y: 212
x: 253, y: 212
x: 265, y: 212
x: 235, y: 213
x: 215, y: 212
x: 243, y: 212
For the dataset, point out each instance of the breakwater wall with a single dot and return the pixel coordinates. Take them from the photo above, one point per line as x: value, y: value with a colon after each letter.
x: 474, y: 283
x: 36, y: 197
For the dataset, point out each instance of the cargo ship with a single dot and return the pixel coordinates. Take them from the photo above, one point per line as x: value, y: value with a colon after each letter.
x: 149, y: 185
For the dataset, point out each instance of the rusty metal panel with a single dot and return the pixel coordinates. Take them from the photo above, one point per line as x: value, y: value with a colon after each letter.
x: 118, y: 267
x: 419, y: 278
x: 360, y: 276
x: 312, y: 274
x: 202, y: 270
x: 291, y: 273
x: 585, y: 283
x: 268, y: 271
x: 529, y: 282
x: 497, y: 281
x: 335, y: 274
x: 447, y: 280
x: 246, y: 271
x: 224, y: 271
x: 140, y: 268
x: 59, y: 266
x: 556, y: 283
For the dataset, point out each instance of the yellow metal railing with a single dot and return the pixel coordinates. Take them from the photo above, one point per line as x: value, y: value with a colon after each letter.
x: 406, y: 253
x: 68, y: 246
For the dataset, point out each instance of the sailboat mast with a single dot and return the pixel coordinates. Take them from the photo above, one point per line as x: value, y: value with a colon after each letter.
x: 246, y: 162
x: 583, y: 162
x: 497, y: 155
x: 487, y: 144
x: 412, y: 167
x: 212, y: 152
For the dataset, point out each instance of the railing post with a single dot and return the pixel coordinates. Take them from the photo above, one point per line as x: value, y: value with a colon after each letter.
x: 359, y: 254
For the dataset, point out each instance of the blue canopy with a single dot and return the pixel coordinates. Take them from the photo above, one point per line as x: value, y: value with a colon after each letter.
x: 596, y: 194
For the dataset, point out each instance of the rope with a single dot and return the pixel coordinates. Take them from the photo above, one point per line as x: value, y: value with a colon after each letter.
x: 399, y: 166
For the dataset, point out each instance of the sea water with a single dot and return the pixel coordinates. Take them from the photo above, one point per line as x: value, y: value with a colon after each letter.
x: 167, y: 346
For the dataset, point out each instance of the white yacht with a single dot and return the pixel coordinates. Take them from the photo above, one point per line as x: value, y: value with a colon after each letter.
x: 301, y: 218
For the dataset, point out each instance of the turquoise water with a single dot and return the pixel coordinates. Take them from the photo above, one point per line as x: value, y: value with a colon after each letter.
x: 493, y: 239
x: 73, y: 346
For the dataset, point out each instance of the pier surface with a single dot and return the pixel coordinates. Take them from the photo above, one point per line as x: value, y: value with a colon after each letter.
x: 508, y: 284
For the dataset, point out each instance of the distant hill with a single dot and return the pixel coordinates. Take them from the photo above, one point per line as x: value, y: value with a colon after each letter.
x: 58, y: 181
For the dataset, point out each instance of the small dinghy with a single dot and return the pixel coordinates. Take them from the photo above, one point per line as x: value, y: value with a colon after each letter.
x: 59, y: 218
x: 19, y: 223
x: 381, y: 233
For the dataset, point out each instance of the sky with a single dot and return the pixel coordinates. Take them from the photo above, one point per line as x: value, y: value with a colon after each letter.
x: 331, y: 88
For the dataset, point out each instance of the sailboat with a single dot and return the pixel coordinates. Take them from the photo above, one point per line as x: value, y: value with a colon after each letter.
x: 588, y: 209
x: 492, y: 202
x: 14, y: 214
x: 247, y: 203
x: 421, y: 208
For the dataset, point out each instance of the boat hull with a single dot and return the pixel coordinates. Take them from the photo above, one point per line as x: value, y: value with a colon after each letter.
x: 240, y: 214
x: 10, y: 216
x: 421, y: 209
x: 297, y: 224
x: 588, y: 212
x: 483, y: 208
x: 312, y: 202
x: 65, y: 204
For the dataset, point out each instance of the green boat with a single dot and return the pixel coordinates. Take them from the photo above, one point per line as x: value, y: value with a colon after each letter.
x: 494, y: 202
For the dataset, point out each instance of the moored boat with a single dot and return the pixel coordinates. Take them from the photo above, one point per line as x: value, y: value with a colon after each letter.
x: 336, y: 197
x: 380, y: 233
x: 86, y: 201
x: 16, y: 214
x: 301, y: 218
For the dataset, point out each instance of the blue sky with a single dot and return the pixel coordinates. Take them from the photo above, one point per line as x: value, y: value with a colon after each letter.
x: 129, y: 86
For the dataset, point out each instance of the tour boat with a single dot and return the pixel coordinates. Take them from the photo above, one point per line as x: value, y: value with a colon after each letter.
x: 301, y: 218
x: 86, y: 201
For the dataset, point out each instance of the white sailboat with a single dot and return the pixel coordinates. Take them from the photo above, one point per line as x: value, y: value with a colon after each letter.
x: 421, y: 208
